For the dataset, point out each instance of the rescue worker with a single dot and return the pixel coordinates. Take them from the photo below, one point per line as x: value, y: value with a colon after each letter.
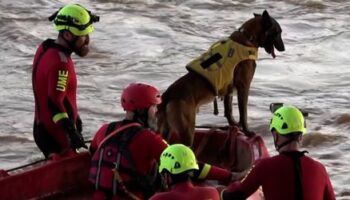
x: 57, y: 125
x: 291, y: 175
x: 177, y: 166
x: 125, y: 153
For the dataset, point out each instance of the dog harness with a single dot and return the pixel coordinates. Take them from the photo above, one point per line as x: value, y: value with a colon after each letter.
x: 218, y: 64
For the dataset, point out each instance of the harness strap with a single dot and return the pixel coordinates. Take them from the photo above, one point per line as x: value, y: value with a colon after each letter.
x: 295, y: 156
x: 138, y: 180
x: 117, y: 131
x: 119, y: 180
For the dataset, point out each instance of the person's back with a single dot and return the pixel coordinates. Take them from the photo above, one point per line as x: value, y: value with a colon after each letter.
x: 186, y: 191
x: 314, y: 178
x: 291, y: 175
x: 277, y: 171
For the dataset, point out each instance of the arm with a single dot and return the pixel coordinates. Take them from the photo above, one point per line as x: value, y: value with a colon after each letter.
x: 328, y: 192
x: 210, y: 172
x: 59, y: 104
x: 57, y: 91
x: 99, y: 136
x: 247, y: 187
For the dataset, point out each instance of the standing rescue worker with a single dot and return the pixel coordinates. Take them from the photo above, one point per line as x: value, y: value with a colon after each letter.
x: 125, y: 153
x: 57, y: 125
x: 177, y: 165
x: 291, y: 175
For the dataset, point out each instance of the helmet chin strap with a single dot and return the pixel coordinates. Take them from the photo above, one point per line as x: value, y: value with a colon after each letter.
x: 278, y: 147
x: 71, y: 44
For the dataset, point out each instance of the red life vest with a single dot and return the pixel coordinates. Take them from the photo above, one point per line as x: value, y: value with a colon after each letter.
x: 112, y: 154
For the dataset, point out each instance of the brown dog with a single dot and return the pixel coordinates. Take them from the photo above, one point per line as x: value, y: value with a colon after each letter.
x: 235, y: 58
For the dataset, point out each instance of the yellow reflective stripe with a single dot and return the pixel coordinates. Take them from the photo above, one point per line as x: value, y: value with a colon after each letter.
x: 59, y: 116
x: 205, y: 171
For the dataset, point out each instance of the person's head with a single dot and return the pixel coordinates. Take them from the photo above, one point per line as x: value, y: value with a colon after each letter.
x: 74, y: 23
x: 140, y: 102
x: 177, y: 164
x: 287, y: 125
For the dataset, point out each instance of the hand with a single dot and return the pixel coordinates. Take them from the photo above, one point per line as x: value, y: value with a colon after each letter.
x: 76, y: 138
x: 236, y: 176
x: 79, y: 124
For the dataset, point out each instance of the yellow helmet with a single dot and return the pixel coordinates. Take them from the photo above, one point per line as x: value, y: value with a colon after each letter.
x: 74, y: 18
x: 288, y: 119
x: 177, y: 158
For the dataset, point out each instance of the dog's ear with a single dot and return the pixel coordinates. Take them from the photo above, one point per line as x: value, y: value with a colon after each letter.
x: 265, y: 13
x: 266, y: 20
x: 256, y: 15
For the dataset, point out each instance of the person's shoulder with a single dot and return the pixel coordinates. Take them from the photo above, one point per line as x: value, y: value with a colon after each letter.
x: 208, y: 189
x: 55, y: 52
x: 267, y: 162
x: 149, y: 133
x: 207, y: 192
x: 314, y: 162
x: 161, y: 196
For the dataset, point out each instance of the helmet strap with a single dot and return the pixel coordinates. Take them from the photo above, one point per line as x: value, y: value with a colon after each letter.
x: 71, y: 44
x: 179, y: 178
x: 278, y: 147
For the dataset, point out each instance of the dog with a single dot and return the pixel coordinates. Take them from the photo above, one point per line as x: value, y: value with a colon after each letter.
x: 180, y: 102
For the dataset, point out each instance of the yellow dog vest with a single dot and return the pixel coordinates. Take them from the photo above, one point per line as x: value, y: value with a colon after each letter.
x: 218, y: 64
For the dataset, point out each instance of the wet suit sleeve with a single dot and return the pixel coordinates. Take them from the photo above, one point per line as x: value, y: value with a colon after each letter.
x: 328, y: 192
x: 209, y: 172
x: 57, y: 91
x: 247, y: 187
x: 58, y: 101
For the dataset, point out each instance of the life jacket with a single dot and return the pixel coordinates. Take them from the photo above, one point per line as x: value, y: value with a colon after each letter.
x: 218, y: 64
x: 113, y: 154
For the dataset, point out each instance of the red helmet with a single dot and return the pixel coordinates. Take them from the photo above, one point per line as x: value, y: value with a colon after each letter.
x: 139, y: 96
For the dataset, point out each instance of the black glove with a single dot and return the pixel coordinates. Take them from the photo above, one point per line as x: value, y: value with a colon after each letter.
x: 79, y: 125
x: 76, y: 138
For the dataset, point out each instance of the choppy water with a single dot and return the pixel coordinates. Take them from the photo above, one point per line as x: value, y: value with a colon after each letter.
x: 152, y: 40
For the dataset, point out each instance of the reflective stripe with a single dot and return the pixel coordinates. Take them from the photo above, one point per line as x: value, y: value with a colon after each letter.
x: 115, y: 183
x: 205, y: 171
x: 99, y: 169
x: 59, y: 116
x: 165, y: 142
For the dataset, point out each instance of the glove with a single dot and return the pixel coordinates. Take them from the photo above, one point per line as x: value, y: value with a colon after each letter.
x: 79, y: 125
x: 76, y: 139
